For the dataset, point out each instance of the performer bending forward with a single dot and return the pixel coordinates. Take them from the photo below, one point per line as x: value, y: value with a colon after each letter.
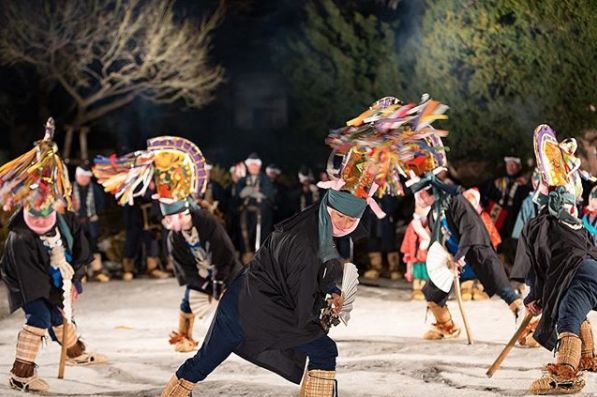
x: 44, y: 259
x: 459, y: 228
x: 563, y: 275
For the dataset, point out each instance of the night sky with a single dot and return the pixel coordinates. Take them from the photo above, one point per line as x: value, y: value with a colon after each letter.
x: 236, y: 123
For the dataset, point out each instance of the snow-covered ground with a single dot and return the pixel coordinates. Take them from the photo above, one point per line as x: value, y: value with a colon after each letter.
x: 381, y: 352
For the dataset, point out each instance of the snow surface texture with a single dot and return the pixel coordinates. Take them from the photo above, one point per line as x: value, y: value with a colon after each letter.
x: 381, y: 353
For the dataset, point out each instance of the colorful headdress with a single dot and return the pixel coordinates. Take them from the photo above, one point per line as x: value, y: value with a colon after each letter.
x: 386, y: 141
x: 556, y: 161
x: 175, y: 165
x: 560, y: 171
x: 37, y: 179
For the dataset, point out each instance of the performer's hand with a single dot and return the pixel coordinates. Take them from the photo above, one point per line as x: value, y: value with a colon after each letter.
x: 74, y: 294
x: 338, y: 301
x: 534, y: 308
x: 457, y: 266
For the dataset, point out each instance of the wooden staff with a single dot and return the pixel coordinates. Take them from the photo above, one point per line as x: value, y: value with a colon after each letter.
x: 461, y: 306
x: 65, y: 328
x: 500, y: 359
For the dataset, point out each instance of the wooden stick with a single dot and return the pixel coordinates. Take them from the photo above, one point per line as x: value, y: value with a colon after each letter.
x: 500, y: 359
x: 62, y: 364
x: 461, y: 306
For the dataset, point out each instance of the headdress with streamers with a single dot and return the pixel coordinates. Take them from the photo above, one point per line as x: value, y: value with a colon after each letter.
x: 174, y: 164
x: 387, y: 141
x: 556, y: 161
x: 560, y: 171
x: 37, y: 179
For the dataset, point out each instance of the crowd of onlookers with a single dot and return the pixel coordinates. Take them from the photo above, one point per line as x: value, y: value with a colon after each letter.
x: 250, y: 199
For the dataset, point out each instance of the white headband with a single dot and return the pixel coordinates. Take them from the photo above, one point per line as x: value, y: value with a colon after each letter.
x: 514, y: 159
x: 253, y: 161
x: 82, y: 172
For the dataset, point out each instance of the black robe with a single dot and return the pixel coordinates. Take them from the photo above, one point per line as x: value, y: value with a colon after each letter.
x: 25, y: 265
x: 474, y: 243
x: 554, y: 251
x: 382, y: 232
x: 284, y: 291
x: 223, y: 257
x: 466, y: 224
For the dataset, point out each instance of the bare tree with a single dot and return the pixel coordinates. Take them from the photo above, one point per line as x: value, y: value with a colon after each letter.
x: 106, y: 53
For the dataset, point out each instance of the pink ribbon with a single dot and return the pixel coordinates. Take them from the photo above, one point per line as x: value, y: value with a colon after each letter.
x: 373, y: 204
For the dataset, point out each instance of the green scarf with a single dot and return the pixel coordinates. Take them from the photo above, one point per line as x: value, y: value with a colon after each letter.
x: 557, y: 201
x: 175, y: 207
x: 343, y: 202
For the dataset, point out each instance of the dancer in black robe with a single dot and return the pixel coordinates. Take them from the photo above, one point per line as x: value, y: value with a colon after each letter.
x: 45, y: 256
x: 563, y: 275
x: 204, y: 261
x: 459, y: 228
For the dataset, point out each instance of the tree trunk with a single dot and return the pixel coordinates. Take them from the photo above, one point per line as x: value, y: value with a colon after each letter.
x: 71, y: 131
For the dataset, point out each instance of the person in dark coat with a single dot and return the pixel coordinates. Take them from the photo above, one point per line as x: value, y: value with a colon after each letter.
x: 270, y: 314
x: 563, y: 273
x: 88, y: 202
x: 237, y: 172
x: 283, y: 207
x: 382, y: 240
x: 215, y: 199
x: 255, y: 206
x: 563, y: 281
x: 458, y: 227
x: 307, y: 191
x: 502, y: 198
x: 142, y: 237
x: 204, y: 261
x: 45, y: 256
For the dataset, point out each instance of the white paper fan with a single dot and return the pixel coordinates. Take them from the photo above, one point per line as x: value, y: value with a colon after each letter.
x: 350, y: 281
x: 438, y: 261
x: 202, y: 304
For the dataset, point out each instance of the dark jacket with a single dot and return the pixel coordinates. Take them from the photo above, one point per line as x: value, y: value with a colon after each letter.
x: 25, y: 265
x: 554, y: 251
x: 265, y: 206
x: 215, y: 241
x: 283, y: 294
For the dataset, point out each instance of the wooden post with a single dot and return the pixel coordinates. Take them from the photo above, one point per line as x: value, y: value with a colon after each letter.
x: 68, y: 142
x: 84, y: 154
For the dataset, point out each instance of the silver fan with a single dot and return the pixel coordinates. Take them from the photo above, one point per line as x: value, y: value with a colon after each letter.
x: 202, y: 304
x: 438, y: 267
x: 350, y: 281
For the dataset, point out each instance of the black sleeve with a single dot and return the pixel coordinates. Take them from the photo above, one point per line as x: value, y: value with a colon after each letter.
x: 489, y: 192
x: 332, y: 277
x: 177, y: 259
x: 469, y: 224
x: 7, y: 270
x: 222, y: 250
x: 98, y: 195
x: 523, y: 260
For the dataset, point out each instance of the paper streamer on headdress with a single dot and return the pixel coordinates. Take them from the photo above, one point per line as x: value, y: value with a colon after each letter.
x: 386, y: 141
x: 38, y: 178
x: 175, y: 164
